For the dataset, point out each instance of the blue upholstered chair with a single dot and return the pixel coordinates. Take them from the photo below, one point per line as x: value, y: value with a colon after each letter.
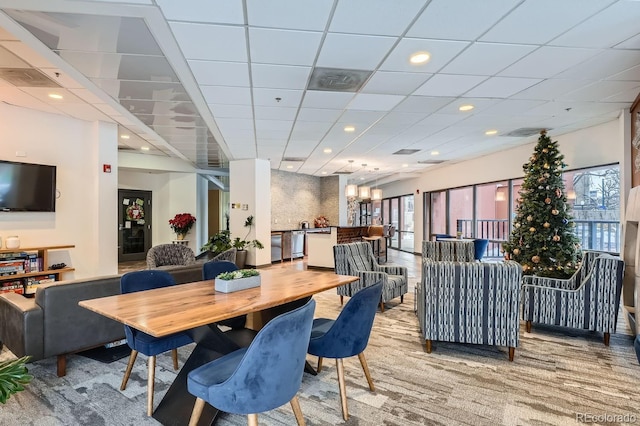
x: 261, y: 377
x: 636, y: 344
x: 141, y: 342
x: 358, y: 259
x: 212, y: 269
x: 592, y: 305
x: 479, y: 248
x: 347, y: 336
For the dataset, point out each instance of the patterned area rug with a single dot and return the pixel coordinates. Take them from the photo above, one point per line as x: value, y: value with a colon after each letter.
x: 557, y: 376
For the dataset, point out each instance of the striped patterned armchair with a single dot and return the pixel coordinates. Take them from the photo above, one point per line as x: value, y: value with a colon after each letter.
x: 470, y: 302
x: 357, y: 259
x: 589, y: 304
x: 453, y: 251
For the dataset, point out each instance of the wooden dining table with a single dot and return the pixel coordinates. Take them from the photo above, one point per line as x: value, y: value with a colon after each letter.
x: 196, y: 307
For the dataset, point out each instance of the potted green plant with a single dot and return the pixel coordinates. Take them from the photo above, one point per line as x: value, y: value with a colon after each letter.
x: 13, y: 376
x: 242, y: 244
x: 218, y: 243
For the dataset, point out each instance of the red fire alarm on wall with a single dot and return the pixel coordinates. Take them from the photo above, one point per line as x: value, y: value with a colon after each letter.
x: 106, y: 168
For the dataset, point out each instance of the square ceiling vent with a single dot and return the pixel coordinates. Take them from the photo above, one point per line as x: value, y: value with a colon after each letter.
x: 26, y: 77
x: 406, y: 151
x: 524, y: 132
x: 337, y: 80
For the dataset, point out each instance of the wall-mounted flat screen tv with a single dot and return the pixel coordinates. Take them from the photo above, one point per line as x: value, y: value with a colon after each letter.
x: 27, y: 187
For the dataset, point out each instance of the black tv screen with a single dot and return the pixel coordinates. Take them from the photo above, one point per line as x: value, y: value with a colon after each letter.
x: 27, y: 187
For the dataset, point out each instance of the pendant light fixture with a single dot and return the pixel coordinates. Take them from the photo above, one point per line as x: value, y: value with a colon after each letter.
x: 376, y: 194
x: 364, y: 192
x: 351, y: 190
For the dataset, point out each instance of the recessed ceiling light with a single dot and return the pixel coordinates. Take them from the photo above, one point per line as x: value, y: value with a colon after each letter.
x: 144, y: 148
x: 466, y: 107
x: 289, y: 167
x: 435, y: 153
x: 323, y: 173
x: 491, y: 132
x: 124, y: 136
x: 405, y: 165
x: 362, y: 178
x: 349, y: 129
x: 327, y: 150
x: 419, y: 58
x: 55, y: 96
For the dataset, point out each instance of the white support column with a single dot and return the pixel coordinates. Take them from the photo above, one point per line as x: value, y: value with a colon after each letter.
x: 250, y: 195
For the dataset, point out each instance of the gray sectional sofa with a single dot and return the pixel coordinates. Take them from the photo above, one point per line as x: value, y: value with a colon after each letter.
x: 52, y: 323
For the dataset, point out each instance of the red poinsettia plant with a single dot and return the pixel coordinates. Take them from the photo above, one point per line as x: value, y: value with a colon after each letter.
x: 182, y: 223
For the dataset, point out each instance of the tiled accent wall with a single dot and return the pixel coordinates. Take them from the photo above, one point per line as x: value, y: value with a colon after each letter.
x: 297, y: 197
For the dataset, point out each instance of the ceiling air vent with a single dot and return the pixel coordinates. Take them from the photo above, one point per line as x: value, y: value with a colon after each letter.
x: 342, y: 172
x: 523, y: 132
x: 406, y: 152
x: 337, y: 80
x: 26, y: 77
x: 294, y: 159
x: 430, y: 161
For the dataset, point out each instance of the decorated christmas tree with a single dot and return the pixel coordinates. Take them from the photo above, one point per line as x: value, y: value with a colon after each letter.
x: 542, y: 240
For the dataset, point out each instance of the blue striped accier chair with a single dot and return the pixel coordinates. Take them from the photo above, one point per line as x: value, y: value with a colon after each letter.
x: 470, y: 302
x: 592, y: 305
x: 453, y: 251
x: 357, y: 259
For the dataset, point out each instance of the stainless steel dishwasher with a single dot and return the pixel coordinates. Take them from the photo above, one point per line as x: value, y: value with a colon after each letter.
x: 297, y: 244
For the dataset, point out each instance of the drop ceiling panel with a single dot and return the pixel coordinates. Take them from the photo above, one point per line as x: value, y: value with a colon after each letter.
x: 215, y: 73
x: 501, y: 87
x: 9, y: 59
x: 280, y: 76
x: 213, y: 11
x: 356, y: 52
x: 459, y: 19
x: 223, y: 43
x: 400, y: 119
x: 548, y: 61
x: 292, y: 14
x: 449, y: 85
x: 231, y: 111
x: 550, y: 89
x: 523, y: 25
x: 226, y: 95
x: 275, y: 113
x: 480, y: 104
x: 394, y: 83
x: 15, y: 96
x: 6, y: 35
x: 442, y: 51
x: 375, y: 102
x: 423, y: 104
x: 277, y: 125
x: 631, y: 43
x: 511, y: 107
x: 83, y: 112
x: 362, y: 117
x: 487, y: 58
x: 231, y: 124
x: 42, y: 93
x: 377, y: 17
x: 283, y: 47
x: 277, y: 97
x: 330, y: 100
x: 608, y: 63
x: 318, y: 114
x: 601, y: 90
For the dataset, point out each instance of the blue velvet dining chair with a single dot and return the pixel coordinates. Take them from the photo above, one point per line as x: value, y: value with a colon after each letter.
x: 142, y: 342
x: 347, y: 336
x: 261, y: 377
x: 212, y: 269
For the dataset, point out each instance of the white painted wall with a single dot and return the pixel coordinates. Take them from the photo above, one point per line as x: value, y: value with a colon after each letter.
x: 85, y: 216
x: 602, y: 144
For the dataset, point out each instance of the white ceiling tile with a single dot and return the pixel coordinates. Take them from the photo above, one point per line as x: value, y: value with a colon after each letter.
x: 275, y: 113
x: 512, y: 107
x: 608, y: 63
x: 550, y: 89
x: 291, y: 14
x: 223, y: 43
x: 277, y: 97
x: 360, y: 119
x: 83, y: 112
x: 600, y: 90
x: 394, y: 83
x: 459, y: 19
x: 401, y: 119
x: 613, y: 25
x: 532, y: 21
x: 632, y: 73
x: 9, y: 59
x: 375, y: 102
x: 15, y: 96
x: 547, y: 61
x: 6, y: 35
x: 423, y: 104
x: 280, y: 135
x: 480, y: 104
x: 279, y: 76
x: 277, y: 125
x: 42, y: 93
x: 229, y: 124
x: 351, y: 51
x: 283, y: 47
x: 626, y: 96
x: 62, y: 78
x: 231, y: 111
x: 214, y: 73
x: 322, y: 99
x: 486, y: 58
x: 441, y: 51
x: 318, y: 114
x: 87, y: 96
x: 25, y: 53
x: 214, y: 11
x: 630, y: 43
x: 501, y: 87
x: 378, y: 17
x: 226, y: 95
x: 449, y: 85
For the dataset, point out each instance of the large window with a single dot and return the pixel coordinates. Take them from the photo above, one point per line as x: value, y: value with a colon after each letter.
x: 487, y: 210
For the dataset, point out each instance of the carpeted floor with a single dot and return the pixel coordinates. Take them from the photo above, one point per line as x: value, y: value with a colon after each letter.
x: 557, y: 376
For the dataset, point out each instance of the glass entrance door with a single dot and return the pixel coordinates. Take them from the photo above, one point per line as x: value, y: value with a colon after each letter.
x: 134, y: 229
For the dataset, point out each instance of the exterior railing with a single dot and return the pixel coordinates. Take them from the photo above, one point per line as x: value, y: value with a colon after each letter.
x: 601, y: 235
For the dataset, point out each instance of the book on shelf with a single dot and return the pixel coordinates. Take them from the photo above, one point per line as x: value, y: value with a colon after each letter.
x: 15, y: 286
x: 31, y: 283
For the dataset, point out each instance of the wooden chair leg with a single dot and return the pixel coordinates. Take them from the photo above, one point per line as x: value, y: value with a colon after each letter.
x: 607, y: 337
x: 428, y: 342
x: 319, y: 364
x: 365, y: 368
x: 527, y: 326
x: 174, y: 356
x: 150, y: 384
x: 343, y: 388
x: 127, y: 373
x: 381, y: 306
x: 512, y: 352
x: 197, y: 412
x: 341, y: 300
x: 62, y: 365
x: 252, y: 419
x: 297, y: 411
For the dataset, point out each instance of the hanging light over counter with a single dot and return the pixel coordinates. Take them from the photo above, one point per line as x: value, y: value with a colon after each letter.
x: 351, y: 190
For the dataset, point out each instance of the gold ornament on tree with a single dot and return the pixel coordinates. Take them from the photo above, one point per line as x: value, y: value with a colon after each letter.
x: 529, y: 218
x: 547, y: 200
x: 556, y: 238
x: 535, y: 259
x: 546, y: 224
x: 554, y: 212
x: 532, y: 229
